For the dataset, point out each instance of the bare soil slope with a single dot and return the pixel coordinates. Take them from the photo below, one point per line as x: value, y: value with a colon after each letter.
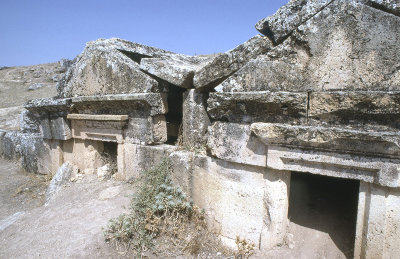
x: 70, y: 226
x: 21, y: 84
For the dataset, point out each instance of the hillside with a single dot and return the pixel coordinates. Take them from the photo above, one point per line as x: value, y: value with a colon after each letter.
x: 23, y: 83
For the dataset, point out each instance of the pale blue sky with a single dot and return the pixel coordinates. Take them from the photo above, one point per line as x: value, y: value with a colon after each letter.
x: 42, y: 31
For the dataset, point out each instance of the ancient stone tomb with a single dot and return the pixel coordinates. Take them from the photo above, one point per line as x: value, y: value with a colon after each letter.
x: 252, y: 132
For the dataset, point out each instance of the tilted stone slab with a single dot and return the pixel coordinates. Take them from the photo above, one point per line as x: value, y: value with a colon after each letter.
x: 247, y: 107
x: 178, y: 70
x: 378, y: 170
x: 156, y: 101
x: 108, y: 67
x: 234, y: 142
x: 266, y: 74
x: 227, y: 63
x: 279, y: 25
x: 356, y: 107
x: 340, y: 48
x: 341, y: 140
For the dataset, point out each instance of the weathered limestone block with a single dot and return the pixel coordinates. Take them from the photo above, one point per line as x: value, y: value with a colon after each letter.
x: 329, y: 138
x: 48, y: 104
x: 225, y: 64
x: 360, y: 107
x: 279, y: 25
x: 29, y: 122
x: 382, y: 171
x: 155, y: 103
x: 85, y: 154
x: 2, y: 134
x: 47, y: 116
x: 182, y: 167
x: 160, y: 134
x: 339, y: 48
x: 248, y: 107
x: 27, y: 148
x: 195, y: 119
x: 239, y: 201
x: 178, y: 69
x: 108, y: 67
x: 378, y: 222
x: 390, y: 6
x: 139, y: 158
x: 148, y: 130
x: 348, y: 52
x: 52, y: 159
x: 234, y: 142
x: 276, y: 204
x: 266, y: 74
x: 55, y: 128
x: 98, y: 127
x: 10, y: 141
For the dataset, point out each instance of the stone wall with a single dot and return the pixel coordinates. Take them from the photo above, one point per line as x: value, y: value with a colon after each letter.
x: 318, y: 94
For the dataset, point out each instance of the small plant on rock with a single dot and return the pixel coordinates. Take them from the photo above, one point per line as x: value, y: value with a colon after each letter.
x: 158, y: 209
x: 245, y: 249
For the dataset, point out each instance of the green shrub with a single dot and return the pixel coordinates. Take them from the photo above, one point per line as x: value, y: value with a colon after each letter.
x: 157, y: 207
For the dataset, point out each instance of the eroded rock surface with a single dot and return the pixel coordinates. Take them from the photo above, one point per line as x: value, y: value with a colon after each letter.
x: 278, y: 26
x: 227, y: 63
x: 339, y: 48
x: 108, y: 67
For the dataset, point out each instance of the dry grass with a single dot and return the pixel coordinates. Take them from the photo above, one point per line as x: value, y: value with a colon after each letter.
x: 162, y: 221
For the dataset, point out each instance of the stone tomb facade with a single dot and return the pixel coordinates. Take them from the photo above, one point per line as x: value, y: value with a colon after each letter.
x: 318, y: 95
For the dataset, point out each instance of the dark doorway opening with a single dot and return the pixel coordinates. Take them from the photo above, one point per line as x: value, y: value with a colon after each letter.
x: 326, y: 204
x: 175, y: 113
x: 109, y: 155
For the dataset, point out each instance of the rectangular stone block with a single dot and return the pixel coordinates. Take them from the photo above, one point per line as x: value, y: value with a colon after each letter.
x: 378, y: 222
x: 182, y: 165
x: 355, y: 107
x: 376, y: 170
x: 52, y: 157
x: 55, y: 128
x: 139, y: 158
x: 146, y: 130
x: 241, y: 200
x: 98, y: 130
x: 263, y: 106
x: 45, y: 129
x: 85, y: 154
x: 234, y: 142
x: 2, y: 134
x: 60, y: 128
x: 156, y: 102
x: 195, y: 118
x: 159, y: 129
x: 342, y: 140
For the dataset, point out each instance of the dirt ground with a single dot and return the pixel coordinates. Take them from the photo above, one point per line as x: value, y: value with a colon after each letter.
x: 70, y: 226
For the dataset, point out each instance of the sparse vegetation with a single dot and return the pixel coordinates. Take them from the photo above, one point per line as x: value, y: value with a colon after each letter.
x: 160, y: 214
x: 245, y: 249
